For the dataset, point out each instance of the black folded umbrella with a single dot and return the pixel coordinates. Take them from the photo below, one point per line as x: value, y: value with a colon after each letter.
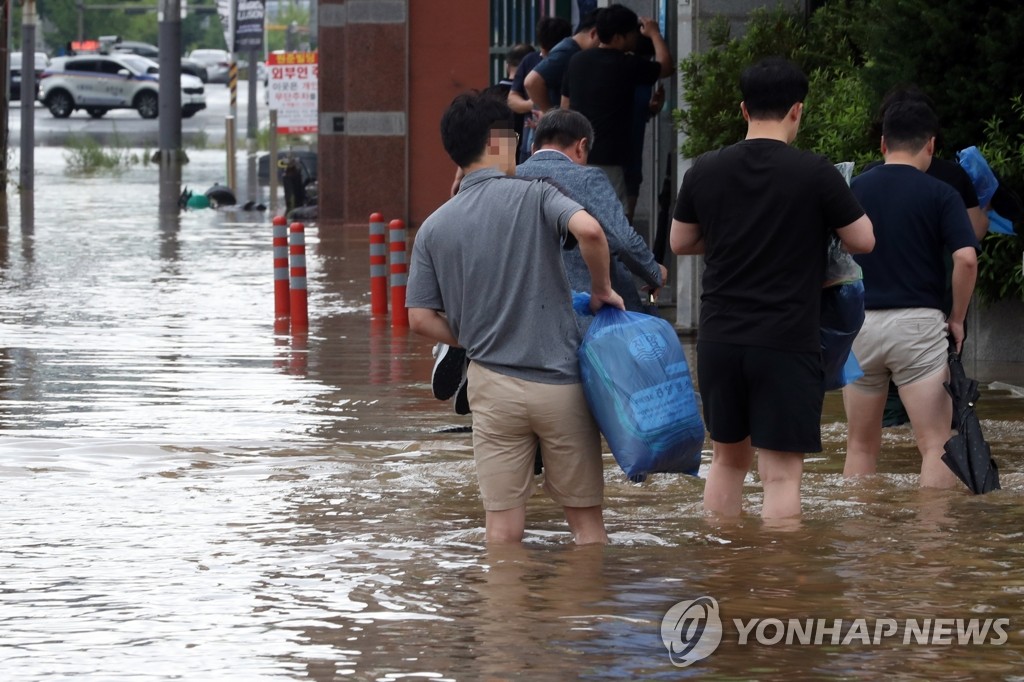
x: 967, y: 454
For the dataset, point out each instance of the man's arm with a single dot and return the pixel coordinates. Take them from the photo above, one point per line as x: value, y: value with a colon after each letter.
x: 979, y: 221
x: 649, y: 28
x: 431, y: 324
x: 594, y: 249
x: 537, y: 90
x: 518, y: 103
x: 686, y: 239
x: 623, y: 241
x: 858, y: 236
x: 965, y: 272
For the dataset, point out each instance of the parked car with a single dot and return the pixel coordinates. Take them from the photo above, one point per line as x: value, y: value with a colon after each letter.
x: 99, y: 83
x: 189, y: 66
x: 217, y: 63
x: 194, y: 68
x: 135, y: 47
x: 42, y: 61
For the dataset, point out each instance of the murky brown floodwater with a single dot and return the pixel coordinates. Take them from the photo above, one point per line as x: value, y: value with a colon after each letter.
x: 186, y: 495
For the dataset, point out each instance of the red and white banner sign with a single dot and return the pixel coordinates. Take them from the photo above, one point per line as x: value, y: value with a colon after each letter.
x: 292, y: 89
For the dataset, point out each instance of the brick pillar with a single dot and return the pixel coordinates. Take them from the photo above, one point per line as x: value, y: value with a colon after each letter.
x: 362, y: 138
x: 388, y: 70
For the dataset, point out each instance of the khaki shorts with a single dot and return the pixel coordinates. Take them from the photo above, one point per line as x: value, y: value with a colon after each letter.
x: 907, y: 344
x: 509, y: 416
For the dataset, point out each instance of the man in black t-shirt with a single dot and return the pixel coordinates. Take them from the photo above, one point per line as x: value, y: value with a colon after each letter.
x: 904, y: 336
x: 601, y: 83
x: 761, y: 212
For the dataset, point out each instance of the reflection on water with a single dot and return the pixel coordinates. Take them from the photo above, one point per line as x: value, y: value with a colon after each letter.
x: 186, y: 494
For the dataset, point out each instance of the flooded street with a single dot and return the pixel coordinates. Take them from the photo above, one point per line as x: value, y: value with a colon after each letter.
x: 185, y: 494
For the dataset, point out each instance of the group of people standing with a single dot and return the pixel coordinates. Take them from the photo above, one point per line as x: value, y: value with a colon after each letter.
x: 493, y: 271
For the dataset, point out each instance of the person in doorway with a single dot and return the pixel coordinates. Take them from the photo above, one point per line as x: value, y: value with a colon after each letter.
x: 761, y: 213
x: 544, y: 83
x: 522, y: 338
x: 904, y: 336
x: 601, y: 84
x: 550, y: 31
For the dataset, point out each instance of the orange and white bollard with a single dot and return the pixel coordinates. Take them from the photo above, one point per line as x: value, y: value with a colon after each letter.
x: 297, y: 277
x: 281, y: 295
x: 399, y: 273
x: 378, y: 266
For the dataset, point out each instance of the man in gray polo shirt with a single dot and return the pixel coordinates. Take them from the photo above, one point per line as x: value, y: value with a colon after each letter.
x: 486, y: 274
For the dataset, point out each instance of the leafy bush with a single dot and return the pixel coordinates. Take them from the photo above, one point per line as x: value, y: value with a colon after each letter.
x: 1000, y: 271
x: 85, y: 155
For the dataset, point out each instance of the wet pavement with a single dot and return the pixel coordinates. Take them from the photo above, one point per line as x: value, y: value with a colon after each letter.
x: 186, y: 494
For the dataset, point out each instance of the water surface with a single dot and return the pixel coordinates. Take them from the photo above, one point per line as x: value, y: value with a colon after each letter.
x: 185, y: 494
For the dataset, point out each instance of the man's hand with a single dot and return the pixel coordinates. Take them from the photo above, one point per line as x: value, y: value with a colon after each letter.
x: 598, y: 301
x: 956, y: 330
x: 649, y: 27
x: 657, y: 100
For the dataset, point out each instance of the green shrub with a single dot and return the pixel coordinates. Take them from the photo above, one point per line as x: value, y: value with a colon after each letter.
x: 1000, y: 273
x: 85, y: 155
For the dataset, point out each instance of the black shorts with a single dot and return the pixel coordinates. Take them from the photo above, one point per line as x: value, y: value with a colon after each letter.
x: 773, y: 396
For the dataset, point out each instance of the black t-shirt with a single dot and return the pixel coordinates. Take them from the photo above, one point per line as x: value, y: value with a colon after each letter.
x: 916, y: 220
x: 601, y: 84
x: 765, y: 211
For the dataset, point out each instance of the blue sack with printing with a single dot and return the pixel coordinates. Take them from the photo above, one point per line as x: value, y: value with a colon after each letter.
x: 637, y: 383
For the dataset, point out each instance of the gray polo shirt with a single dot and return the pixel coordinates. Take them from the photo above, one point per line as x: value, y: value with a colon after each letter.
x: 491, y: 259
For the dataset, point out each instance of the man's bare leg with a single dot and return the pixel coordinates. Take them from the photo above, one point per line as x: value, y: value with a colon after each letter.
x: 507, y: 525
x: 723, y: 491
x: 864, y: 430
x: 780, y: 474
x: 931, y: 410
x: 586, y: 524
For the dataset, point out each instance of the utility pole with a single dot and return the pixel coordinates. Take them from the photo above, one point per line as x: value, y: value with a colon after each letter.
x: 5, y: 103
x: 28, y: 95
x: 169, y: 19
x: 171, y: 154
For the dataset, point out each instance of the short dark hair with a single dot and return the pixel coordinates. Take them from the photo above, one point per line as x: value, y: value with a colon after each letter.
x: 901, y: 93
x: 908, y: 125
x: 616, y: 20
x: 466, y: 125
x: 551, y: 31
x: 516, y: 53
x: 563, y: 127
x: 771, y: 87
x: 588, y: 21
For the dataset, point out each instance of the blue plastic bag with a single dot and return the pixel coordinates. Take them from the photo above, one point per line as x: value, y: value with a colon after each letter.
x: 842, y: 315
x: 982, y: 177
x: 637, y: 383
x: 851, y: 370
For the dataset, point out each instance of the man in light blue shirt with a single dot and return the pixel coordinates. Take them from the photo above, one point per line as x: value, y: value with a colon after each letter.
x: 562, y: 143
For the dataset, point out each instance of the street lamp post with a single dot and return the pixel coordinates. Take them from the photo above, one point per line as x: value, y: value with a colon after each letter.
x: 26, y: 177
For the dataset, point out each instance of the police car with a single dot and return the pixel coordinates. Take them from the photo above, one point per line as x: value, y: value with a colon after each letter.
x: 99, y: 83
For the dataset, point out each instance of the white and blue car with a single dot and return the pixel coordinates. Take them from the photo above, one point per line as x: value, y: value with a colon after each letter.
x: 98, y: 83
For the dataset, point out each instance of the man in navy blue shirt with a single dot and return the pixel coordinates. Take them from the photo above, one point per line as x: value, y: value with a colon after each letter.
x: 905, y: 334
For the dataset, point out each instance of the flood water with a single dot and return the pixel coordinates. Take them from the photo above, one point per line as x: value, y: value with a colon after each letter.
x: 185, y: 494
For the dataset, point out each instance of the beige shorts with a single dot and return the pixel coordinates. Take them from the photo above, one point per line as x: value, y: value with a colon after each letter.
x: 907, y: 344
x: 509, y: 417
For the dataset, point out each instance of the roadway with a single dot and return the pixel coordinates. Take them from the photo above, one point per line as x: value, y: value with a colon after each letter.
x: 126, y: 128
